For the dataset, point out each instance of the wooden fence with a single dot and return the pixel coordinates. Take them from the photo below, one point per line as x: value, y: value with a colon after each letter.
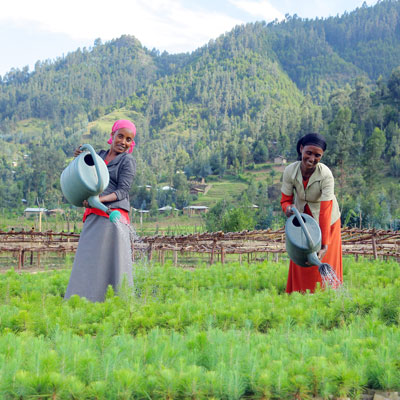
x: 359, y: 242
x: 21, y: 244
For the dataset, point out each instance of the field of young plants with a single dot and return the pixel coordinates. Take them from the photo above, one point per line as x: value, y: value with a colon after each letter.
x: 224, y: 332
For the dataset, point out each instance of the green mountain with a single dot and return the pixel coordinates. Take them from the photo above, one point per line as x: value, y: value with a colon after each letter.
x: 238, y: 101
x: 318, y: 55
x: 333, y: 51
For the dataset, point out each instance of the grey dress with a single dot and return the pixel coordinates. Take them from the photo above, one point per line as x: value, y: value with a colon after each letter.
x: 104, y: 255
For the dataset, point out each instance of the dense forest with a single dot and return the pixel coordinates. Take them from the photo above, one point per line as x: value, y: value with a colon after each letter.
x: 238, y: 101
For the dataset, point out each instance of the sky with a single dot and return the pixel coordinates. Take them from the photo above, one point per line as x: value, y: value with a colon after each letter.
x: 48, y: 29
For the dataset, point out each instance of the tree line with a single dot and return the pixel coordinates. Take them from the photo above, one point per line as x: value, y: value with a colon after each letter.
x: 234, y: 103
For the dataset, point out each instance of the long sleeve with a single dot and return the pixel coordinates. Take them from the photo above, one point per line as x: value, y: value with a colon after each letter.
x: 325, y: 220
x: 126, y: 173
x: 286, y: 201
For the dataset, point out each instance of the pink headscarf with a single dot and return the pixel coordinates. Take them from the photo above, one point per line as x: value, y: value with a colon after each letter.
x: 120, y: 124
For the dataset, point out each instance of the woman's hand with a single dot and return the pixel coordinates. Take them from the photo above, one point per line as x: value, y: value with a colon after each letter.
x: 86, y: 204
x: 322, y: 252
x: 77, y: 151
x: 289, y: 210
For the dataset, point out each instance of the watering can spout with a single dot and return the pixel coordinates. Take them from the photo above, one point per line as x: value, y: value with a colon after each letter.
x: 313, y: 259
x: 95, y: 202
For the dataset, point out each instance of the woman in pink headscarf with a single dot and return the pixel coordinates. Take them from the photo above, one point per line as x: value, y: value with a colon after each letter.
x: 103, y: 256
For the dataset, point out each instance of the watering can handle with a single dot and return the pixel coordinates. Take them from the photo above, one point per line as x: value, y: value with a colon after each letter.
x: 303, y: 225
x: 93, y: 154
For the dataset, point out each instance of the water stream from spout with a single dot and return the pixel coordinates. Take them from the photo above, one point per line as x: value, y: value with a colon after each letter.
x: 329, y: 277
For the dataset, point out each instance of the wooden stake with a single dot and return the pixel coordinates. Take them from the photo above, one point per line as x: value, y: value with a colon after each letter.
x: 213, y: 252
x: 19, y: 260
x: 162, y: 257
x: 40, y: 221
x: 374, y: 245
x: 150, y: 252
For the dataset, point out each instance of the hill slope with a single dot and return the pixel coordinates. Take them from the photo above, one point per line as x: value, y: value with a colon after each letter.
x: 240, y: 100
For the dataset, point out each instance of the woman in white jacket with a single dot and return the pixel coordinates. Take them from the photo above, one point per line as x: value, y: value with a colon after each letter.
x: 309, y: 186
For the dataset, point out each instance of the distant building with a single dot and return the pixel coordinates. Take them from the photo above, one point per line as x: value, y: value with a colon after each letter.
x: 195, y: 210
x: 196, y: 187
x: 196, y: 190
x: 140, y: 211
x: 28, y: 212
x: 166, y: 209
x: 167, y: 188
x: 56, y: 211
x: 280, y: 160
x: 147, y: 187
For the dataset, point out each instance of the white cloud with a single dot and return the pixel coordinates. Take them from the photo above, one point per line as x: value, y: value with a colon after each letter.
x: 261, y: 9
x: 163, y: 24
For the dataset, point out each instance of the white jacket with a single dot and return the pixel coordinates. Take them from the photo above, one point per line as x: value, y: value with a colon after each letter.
x: 320, y: 187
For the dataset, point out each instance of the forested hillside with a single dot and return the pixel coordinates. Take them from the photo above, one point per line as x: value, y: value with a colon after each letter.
x: 326, y: 53
x: 236, y: 102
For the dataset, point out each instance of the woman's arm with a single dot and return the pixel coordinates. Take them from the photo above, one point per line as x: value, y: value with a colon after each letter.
x: 77, y: 151
x: 125, y: 178
x: 286, y: 204
x: 287, y: 193
x: 108, y: 198
x: 103, y: 199
x: 325, y: 213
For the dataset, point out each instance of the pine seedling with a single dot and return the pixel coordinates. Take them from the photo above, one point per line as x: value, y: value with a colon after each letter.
x: 109, y: 293
x: 167, y: 383
x: 75, y: 388
x: 126, y: 382
x: 97, y: 390
x: 348, y: 382
x: 318, y: 371
x: 57, y: 385
x: 234, y: 382
x: 191, y: 382
x: 262, y: 387
x: 280, y: 387
x: 22, y: 385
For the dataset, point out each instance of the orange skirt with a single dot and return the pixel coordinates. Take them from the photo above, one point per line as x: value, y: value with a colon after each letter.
x: 301, y: 279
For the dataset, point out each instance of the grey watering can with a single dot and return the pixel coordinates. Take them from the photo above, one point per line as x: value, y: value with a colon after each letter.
x: 303, y: 239
x: 85, y: 178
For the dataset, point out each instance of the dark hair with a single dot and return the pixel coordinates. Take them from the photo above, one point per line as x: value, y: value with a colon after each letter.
x: 314, y: 139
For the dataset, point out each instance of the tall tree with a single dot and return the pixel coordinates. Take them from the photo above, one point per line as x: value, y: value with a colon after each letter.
x: 373, y: 170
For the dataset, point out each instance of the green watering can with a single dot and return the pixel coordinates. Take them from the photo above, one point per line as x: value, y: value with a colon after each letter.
x: 85, y: 178
x: 303, y: 239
